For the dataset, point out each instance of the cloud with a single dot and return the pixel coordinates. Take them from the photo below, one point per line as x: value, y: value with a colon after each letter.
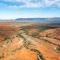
x: 31, y: 3
x: 52, y: 3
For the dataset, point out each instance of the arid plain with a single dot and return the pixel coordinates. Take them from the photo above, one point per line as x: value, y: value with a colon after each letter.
x: 29, y: 41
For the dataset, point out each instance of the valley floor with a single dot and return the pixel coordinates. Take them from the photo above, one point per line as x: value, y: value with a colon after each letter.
x: 29, y: 41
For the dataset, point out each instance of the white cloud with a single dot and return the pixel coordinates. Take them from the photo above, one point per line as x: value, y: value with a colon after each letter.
x: 35, y: 3
x: 52, y: 3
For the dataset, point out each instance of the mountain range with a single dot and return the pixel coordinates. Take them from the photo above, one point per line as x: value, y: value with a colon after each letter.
x: 41, y: 20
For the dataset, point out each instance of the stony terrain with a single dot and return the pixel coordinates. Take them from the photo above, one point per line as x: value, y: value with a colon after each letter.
x: 27, y: 41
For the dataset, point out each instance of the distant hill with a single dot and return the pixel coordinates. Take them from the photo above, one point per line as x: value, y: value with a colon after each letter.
x: 42, y: 20
x: 31, y: 19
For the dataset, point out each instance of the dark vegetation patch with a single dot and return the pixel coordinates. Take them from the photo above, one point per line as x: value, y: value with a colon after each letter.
x: 35, y: 27
x: 7, y: 39
x: 58, y: 48
x: 35, y: 35
x: 1, y: 55
x: 39, y: 29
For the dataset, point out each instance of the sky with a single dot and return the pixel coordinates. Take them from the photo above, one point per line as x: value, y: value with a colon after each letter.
x: 12, y: 9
